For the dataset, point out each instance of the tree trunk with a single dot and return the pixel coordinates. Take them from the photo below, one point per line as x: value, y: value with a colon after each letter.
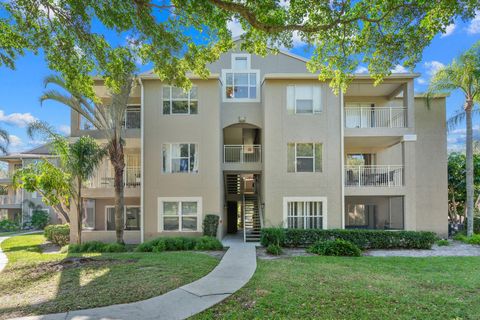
x: 61, y: 212
x: 79, y: 210
x: 118, y: 162
x: 469, y: 165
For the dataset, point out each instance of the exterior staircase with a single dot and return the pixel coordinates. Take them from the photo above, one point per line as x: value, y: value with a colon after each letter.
x: 252, y: 222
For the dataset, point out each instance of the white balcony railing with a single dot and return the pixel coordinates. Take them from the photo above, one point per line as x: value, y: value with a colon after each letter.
x: 105, y: 179
x: 239, y: 153
x: 131, y: 120
x: 374, y: 176
x: 368, y: 117
x: 6, y: 199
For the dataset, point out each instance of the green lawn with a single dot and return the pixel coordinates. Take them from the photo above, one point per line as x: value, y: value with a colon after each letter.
x: 9, y: 233
x: 27, y: 287
x: 357, y: 288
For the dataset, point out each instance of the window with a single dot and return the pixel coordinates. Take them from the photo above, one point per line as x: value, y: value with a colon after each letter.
x: 304, y: 99
x: 131, y: 217
x: 304, y: 157
x: 177, y: 101
x: 241, y: 61
x: 241, y: 86
x: 132, y: 117
x: 88, y: 216
x: 358, y: 215
x: 305, y: 212
x: 181, y: 157
x: 179, y: 214
x: 85, y: 124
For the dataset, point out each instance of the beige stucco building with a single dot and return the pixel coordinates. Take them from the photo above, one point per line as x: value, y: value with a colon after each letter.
x: 262, y: 142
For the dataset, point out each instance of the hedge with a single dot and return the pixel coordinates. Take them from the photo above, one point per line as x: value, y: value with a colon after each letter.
x: 96, y: 246
x: 179, y: 244
x: 58, y: 233
x: 364, y: 239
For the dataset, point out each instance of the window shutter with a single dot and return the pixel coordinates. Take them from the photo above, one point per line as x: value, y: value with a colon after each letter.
x: 290, y: 99
x: 291, y: 157
x: 317, y: 99
x: 318, y: 157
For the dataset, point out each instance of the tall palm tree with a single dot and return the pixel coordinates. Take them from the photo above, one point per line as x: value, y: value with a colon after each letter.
x: 79, y: 159
x: 462, y: 74
x: 4, y: 140
x: 108, y: 118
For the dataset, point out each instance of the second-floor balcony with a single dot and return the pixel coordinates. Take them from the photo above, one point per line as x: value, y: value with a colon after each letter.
x: 10, y: 199
x: 374, y: 176
x: 132, y: 120
x: 375, y: 117
x: 242, y: 153
x: 105, y: 178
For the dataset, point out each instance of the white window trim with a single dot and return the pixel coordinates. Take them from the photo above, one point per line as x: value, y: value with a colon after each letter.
x: 313, y: 102
x: 94, y: 213
x: 170, y: 144
x: 160, y: 214
x: 189, y: 99
x: 241, y: 55
x: 235, y: 100
x: 286, y: 200
x: 124, y: 216
x: 295, y: 162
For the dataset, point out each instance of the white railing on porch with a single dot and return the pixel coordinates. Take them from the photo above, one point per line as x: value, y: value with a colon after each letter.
x: 132, y: 119
x: 6, y: 199
x: 103, y: 179
x: 374, y: 176
x: 240, y: 153
x: 368, y: 117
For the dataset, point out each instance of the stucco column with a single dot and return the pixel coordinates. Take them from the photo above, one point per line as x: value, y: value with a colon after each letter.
x: 409, y: 102
x: 409, y: 175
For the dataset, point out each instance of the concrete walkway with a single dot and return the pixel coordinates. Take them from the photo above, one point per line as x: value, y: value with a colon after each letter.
x: 233, y: 272
x: 3, y: 257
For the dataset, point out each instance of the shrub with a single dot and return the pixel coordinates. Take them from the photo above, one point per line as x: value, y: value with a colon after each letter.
x: 274, y: 249
x: 443, y: 243
x: 159, y: 246
x: 210, y: 225
x: 364, y: 239
x: 475, y: 239
x: 8, y: 226
x: 179, y: 243
x: 39, y: 219
x: 58, y: 233
x: 337, y: 247
x: 208, y: 243
x: 96, y: 246
x: 460, y: 237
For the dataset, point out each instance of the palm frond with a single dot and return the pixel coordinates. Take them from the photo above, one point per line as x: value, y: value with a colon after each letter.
x: 4, y: 141
x: 456, y: 119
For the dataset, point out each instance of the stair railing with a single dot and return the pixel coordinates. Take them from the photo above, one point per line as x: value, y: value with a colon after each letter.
x: 244, y: 220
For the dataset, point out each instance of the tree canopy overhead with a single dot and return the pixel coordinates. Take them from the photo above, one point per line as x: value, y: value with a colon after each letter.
x: 181, y: 36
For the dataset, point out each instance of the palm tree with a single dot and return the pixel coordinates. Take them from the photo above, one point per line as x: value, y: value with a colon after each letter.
x: 4, y: 140
x: 462, y: 74
x: 79, y: 159
x: 108, y: 118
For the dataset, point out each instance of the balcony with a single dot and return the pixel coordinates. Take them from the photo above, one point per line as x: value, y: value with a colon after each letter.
x: 132, y: 120
x: 105, y: 178
x: 242, y: 153
x: 374, y: 176
x: 381, y: 117
x: 10, y: 201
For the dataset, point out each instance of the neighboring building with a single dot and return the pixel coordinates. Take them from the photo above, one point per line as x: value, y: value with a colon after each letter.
x: 17, y: 204
x: 262, y: 142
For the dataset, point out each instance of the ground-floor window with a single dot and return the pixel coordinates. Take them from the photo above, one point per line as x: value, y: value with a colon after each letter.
x: 88, y: 215
x: 305, y: 212
x: 179, y: 214
x: 131, y: 217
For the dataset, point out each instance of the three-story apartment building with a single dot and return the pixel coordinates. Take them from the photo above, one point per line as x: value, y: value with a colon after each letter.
x: 262, y: 142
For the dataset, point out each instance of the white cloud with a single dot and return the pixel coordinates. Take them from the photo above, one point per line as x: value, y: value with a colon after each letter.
x: 399, y: 69
x: 448, y: 30
x: 474, y: 26
x: 15, y: 141
x: 432, y: 67
x: 65, y: 129
x: 361, y: 69
x: 421, y: 81
x: 17, y: 119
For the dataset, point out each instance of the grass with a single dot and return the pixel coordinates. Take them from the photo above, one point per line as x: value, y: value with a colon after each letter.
x: 28, y: 288
x: 9, y: 233
x: 357, y: 288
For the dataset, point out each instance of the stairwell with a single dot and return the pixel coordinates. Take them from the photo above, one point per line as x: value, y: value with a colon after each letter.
x: 252, y: 222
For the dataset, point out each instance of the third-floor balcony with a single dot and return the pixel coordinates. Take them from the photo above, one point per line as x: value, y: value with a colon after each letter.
x: 374, y: 176
x: 105, y: 178
x: 375, y: 117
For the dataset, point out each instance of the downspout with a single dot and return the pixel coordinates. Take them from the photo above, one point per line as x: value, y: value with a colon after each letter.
x: 342, y: 157
x: 142, y: 171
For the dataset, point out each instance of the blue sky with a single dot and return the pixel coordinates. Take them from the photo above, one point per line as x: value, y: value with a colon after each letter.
x: 20, y: 89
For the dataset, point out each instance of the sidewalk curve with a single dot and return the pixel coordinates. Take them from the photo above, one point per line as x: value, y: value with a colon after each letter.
x: 233, y: 272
